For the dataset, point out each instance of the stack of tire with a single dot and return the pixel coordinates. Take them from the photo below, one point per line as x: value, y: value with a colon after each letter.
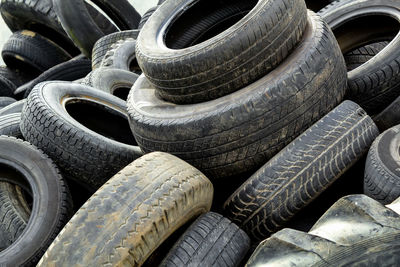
x: 199, y: 135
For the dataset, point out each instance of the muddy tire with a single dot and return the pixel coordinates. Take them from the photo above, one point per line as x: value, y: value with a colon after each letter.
x: 211, y: 240
x: 31, y: 52
x: 221, y: 43
x: 132, y: 214
x: 365, y: 233
x: 24, y: 164
x: 104, y: 44
x: 382, y: 168
x: 301, y: 171
x: 86, y: 134
x: 268, y: 114
x: 375, y: 84
x: 113, y: 81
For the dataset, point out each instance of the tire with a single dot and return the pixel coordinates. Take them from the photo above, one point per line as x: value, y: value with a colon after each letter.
x: 37, y: 16
x: 381, y: 178
x: 389, y: 117
x: 113, y: 81
x: 268, y: 114
x: 52, y: 203
x: 70, y: 70
x: 146, y: 16
x: 376, y: 83
x: 32, y: 53
x: 211, y: 240
x: 81, y: 27
x: 5, y: 101
x: 122, y: 56
x: 90, y: 135
x: 301, y: 171
x: 153, y: 197
x: 9, y: 125
x: 7, y: 88
x: 104, y: 44
x: 220, y: 61
x: 14, y: 107
x: 14, y: 213
x: 17, y: 77
x: 358, y: 57
x: 355, y: 231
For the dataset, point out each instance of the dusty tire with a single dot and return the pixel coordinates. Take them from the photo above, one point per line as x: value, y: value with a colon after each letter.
x: 14, y: 213
x: 104, y: 44
x: 38, y: 16
x: 211, y: 240
x: 9, y: 125
x: 122, y: 56
x: 83, y: 29
x: 70, y: 70
x: 86, y: 131
x: 153, y: 197
x: 382, y: 176
x: 301, y: 171
x: 355, y: 231
x: 375, y: 84
x: 5, y: 101
x: 247, y: 40
x: 32, y: 52
x: 146, y: 16
x: 24, y: 163
x: 240, y: 132
x: 113, y: 81
x: 15, y: 107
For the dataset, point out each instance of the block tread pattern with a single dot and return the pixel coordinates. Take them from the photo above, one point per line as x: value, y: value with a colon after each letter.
x: 132, y: 214
x: 211, y: 240
x: 301, y: 171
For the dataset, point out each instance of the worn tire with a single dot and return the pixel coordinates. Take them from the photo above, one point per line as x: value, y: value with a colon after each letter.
x: 355, y: 231
x: 152, y: 197
x: 358, y: 57
x: 104, y: 44
x: 146, y: 16
x: 83, y: 29
x: 382, y: 168
x: 211, y: 240
x: 9, y: 125
x: 24, y: 163
x: 375, y: 84
x: 389, y: 117
x: 86, y: 131
x: 301, y: 171
x: 14, y: 213
x: 113, y: 81
x: 122, y: 56
x: 16, y: 76
x: 32, y: 52
x: 15, y: 107
x: 229, y: 57
x: 7, y: 88
x: 38, y: 16
x: 5, y: 101
x: 241, y: 131
x: 70, y: 70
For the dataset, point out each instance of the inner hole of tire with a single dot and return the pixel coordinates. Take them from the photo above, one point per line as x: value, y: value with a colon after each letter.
x: 317, y: 5
x: 122, y: 92
x: 134, y: 66
x: 102, y: 120
x: 11, y: 175
x: 365, y: 30
x: 204, y: 20
x: 13, y: 62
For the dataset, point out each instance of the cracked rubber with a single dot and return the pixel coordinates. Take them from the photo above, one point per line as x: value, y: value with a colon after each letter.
x: 132, y: 214
x: 211, y: 240
x: 92, y: 156
x: 32, y: 52
x: 228, y: 45
x: 301, y: 171
x: 113, y: 81
x: 83, y: 28
x: 240, y: 132
x: 104, y: 44
x: 382, y: 168
x: 375, y: 84
x: 52, y: 206
x: 355, y: 231
x: 14, y: 214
